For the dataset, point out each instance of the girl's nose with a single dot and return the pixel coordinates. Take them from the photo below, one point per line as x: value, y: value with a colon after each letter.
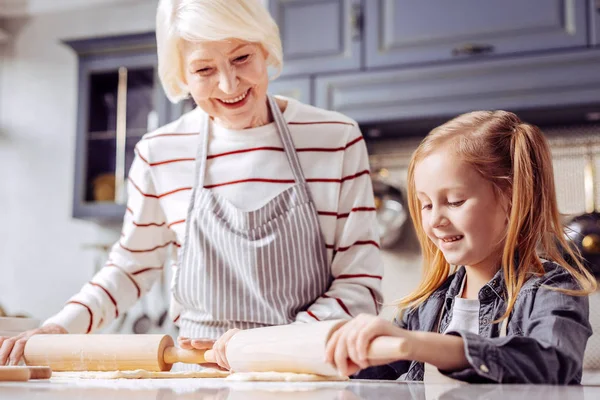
x: 437, y: 219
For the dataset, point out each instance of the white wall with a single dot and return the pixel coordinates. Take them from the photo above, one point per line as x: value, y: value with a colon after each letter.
x: 42, y: 259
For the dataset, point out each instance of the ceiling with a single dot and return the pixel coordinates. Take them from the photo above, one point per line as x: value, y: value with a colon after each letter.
x: 28, y: 8
x: 18, y: 9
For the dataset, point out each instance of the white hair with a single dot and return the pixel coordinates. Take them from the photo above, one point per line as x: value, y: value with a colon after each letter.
x: 209, y: 20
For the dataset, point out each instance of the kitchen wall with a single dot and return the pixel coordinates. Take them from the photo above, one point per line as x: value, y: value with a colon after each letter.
x: 43, y: 259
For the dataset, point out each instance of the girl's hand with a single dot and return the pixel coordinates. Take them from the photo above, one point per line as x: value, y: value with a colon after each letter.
x: 347, y: 348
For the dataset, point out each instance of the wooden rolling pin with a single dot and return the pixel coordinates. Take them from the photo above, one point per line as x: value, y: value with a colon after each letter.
x: 14, y: 374
x: 107, y: 352
x: 20, y: 374
x: 296, y: 348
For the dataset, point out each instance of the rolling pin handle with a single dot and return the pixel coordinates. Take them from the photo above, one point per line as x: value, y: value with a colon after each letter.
x: 175, y: 354
x: 386, y: 347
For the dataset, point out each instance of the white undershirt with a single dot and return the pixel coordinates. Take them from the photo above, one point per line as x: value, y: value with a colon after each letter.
x: 465, y: 313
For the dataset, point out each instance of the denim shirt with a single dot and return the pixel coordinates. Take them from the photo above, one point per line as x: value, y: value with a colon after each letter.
x: 546, y: 336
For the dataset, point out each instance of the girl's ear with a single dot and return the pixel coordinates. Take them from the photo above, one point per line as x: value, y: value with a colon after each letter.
x: 505, y: 204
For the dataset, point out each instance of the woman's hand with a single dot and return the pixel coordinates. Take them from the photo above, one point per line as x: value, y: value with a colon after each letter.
x: 219, y: 348
x: 348, y: 347
x: 12, y: 348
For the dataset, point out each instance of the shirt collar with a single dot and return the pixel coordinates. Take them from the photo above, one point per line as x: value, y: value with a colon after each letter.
x: 495, y: 288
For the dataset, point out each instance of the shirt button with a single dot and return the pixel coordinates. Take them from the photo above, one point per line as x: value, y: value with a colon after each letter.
x: 484, y: 368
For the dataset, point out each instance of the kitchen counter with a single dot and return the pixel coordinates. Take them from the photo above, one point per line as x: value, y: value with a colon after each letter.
x: 219, y: 389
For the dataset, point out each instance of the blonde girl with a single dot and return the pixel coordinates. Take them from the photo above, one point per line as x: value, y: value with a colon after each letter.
x: 498, y: 302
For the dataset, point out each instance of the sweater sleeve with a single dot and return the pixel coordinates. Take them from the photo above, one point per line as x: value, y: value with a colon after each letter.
x: 357, y: 267
x: 135, y: 262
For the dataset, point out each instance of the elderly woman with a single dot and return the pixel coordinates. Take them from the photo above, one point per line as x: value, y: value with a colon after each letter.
x: 267, y: 201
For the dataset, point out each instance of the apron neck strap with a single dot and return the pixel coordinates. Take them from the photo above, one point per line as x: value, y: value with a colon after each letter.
x: 286, y: 139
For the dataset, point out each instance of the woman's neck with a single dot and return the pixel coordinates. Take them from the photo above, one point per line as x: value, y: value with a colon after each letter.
x: 266, y: 115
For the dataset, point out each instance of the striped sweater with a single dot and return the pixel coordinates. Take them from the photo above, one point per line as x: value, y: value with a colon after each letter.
x: 248, y: 168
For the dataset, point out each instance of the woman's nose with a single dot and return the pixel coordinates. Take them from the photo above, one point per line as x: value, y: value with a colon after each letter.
x: 228, y: 81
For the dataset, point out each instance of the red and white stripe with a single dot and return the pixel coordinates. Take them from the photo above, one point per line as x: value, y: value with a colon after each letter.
x: 248, y: 168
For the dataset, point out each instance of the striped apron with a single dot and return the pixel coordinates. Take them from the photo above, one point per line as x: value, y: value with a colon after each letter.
x: 249, y: 269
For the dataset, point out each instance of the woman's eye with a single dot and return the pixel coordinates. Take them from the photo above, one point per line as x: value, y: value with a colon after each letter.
x: 241, y: 59
x: 204, y: 71
x: 455, y: 203
x: 425, y: 206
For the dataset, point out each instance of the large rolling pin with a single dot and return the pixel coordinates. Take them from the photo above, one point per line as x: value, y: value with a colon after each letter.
x: 298, y: 348
x: 107, y: 352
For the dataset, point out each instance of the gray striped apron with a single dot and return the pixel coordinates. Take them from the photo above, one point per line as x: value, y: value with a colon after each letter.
x: 249, y: 269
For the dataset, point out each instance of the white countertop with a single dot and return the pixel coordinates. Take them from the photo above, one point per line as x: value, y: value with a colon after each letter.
x: 219, y: 389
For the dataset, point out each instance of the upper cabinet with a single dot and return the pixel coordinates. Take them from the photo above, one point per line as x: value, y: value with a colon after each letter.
x: 119, y: 100
x: 325, y: 36
x: 407, y: 31
x: 297, y: 88
x: 319, y: 35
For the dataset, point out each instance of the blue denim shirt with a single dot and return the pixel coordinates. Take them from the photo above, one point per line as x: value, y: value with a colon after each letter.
x: 546, y: 336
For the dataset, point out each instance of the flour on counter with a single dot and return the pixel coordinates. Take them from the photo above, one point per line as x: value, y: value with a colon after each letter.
x: 281, y: 377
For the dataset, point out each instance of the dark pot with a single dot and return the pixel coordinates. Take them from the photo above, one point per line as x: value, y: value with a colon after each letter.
x: 584, y: 232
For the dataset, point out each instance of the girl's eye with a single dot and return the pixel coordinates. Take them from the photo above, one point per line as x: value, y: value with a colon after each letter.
x: 241, y: 59
x: 456, y: 203
x: 426, y: 207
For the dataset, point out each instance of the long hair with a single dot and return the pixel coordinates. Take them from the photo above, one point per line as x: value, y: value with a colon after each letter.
x: 515, y: 157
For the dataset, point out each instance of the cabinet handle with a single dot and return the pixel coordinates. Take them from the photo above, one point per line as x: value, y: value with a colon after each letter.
x: 472, y: 49
x: 121, y: 136
x: 356, y: 21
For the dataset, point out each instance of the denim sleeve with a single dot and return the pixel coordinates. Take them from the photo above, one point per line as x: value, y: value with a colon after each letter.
x: 545, y: 344
x: 391, y: 371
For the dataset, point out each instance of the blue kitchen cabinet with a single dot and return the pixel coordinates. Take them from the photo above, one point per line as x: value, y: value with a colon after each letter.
x: 119, y: 100
x: 594, y: 12
x: 319, y: 35
x: 297, y: 88
x: 401, y: 32
x: 558, y: 82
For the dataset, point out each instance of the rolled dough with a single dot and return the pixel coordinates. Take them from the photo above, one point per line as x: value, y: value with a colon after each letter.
x: 141, y: 374
x: 281, y: 377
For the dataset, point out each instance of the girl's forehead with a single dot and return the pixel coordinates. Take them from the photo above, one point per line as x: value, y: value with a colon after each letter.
x: 444, y: 170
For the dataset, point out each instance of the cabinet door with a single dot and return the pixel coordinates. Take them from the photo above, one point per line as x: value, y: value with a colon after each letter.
x: 552, y: 82
x: 595, y: 22
x: 297, y: 88
x: 119, y: 101
x: 407, y: 31
x: 318, y: 35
